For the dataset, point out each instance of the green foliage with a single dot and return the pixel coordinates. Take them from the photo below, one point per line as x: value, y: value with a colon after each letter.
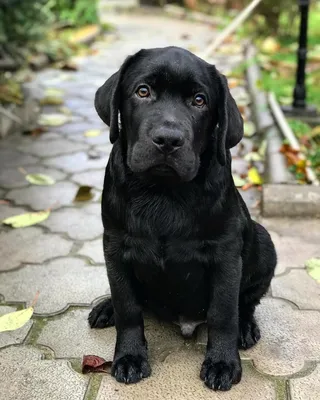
x: 24, y: 20
x: 76, y: 12
x: 30, y: 20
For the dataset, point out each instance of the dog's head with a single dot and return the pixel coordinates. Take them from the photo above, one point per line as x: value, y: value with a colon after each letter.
x: 172, y: 104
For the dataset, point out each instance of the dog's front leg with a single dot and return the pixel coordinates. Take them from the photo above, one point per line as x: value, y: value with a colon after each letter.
x: 222, y: 367
x: 130, y: 363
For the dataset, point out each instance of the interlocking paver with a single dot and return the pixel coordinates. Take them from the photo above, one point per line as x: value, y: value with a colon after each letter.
x: 12, y: 158
x: 78, y: 223
x: 6, y: 211
x: 30, y: 245
x: 13, y: 178
x: 293, y: 252
x: 12, y: 337
x: 289, y: 338
x: 306, y: 388
x: 43, y: 197
x: 60, y: 282
x: 91, y: 178
x: 50, y: 148
x: 78, y: 129
x: 177, y: 378
x: 26, y: 376
x: 298, y: 287
x: 93, y: 250
x: 306, y: 229
x: 76, y: 162
x: 58, y: 334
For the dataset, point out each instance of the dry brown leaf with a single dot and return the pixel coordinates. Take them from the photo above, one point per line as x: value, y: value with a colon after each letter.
x: 92, y: 363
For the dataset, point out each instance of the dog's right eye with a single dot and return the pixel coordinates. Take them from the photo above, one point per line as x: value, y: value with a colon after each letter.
x: 143, y: 91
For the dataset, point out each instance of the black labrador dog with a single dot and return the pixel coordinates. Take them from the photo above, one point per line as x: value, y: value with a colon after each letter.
x: 178, y: 238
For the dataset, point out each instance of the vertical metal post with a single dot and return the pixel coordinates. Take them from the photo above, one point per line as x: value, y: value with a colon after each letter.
x: 299, y: 107
x: 299, y: 93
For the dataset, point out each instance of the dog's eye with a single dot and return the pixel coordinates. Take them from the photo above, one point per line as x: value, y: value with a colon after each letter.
x: 143, y: 91
x: 199, y: 100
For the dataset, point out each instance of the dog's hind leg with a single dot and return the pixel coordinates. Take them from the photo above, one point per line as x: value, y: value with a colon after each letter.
x: 102, y: 315
x: 252, y: 291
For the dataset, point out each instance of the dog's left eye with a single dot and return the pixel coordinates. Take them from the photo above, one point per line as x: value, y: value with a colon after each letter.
x: 199, y: 100
x: 143, y: 91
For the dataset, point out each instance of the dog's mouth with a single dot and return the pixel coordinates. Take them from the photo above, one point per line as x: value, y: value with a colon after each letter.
x: 162, y: 170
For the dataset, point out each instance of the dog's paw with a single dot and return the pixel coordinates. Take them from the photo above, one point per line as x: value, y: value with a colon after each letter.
x: 130, y: 369
x: 102, y: 315
x: 221, y: 375
x: 249, y: 334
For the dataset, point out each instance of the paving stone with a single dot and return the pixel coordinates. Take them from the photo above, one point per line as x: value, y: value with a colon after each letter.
x: 289, y: 338
x: 30, y: 245
x: 76, y: 162
x: 93, y: 250
x: 239, y: 166
x: 79, y: 128
x: 298, y: 287
x: 58, y: 334
x: 252, y: 198
x: 60, y: 282
x: 306, y: 388
x: 12, y: 158
x: 177, y: 378
x: 307, y: 229
x: 51, y: 148
x: 13, y: 337
x: 78, y: 223
x: 13, y: 178
x: 26, y: 376
x: 91, y: 178
x: 293, y: 252
x: 6, y: 211
x: 43, y: 197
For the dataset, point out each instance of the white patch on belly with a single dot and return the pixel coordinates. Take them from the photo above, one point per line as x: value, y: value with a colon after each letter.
x: 188, y: 327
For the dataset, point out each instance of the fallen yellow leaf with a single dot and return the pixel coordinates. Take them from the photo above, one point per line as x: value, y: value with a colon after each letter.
x: 15, y: 320
x: 52, y: 96
x: 53, y: 119
x: 27, y: 219
x: 40, y: 179
x: 254, y: 176
x: 92, y: 133
x: 313, y: 268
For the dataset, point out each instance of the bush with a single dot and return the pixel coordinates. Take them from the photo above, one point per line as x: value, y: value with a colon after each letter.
x: 23, y: 21
x: 76, y: 12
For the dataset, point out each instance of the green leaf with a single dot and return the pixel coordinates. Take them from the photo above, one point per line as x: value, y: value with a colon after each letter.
x: 313, y: 268
x: 53, y: 119
x: 84, y: 194
x: 40, y: 179
x: 252, y: 156
x: 238, y: 181
x: 92, y: 133
x: 52, y: 96
x: 27, y: 219
x: 249, y: 129
x: 15, y: 320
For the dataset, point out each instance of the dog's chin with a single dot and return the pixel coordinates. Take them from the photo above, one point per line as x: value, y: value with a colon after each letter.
x: 162, y: 173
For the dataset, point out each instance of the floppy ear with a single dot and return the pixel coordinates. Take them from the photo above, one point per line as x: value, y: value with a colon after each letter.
x: 230, y: 121
x: 107, y: 101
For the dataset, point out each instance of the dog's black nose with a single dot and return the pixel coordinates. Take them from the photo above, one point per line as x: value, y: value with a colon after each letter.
x: 168, y: 142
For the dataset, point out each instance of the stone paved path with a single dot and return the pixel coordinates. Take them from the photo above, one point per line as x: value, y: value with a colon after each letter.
x: 62, y: 258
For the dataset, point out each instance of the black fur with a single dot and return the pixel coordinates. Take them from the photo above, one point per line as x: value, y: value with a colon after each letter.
x: 178, y: 238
